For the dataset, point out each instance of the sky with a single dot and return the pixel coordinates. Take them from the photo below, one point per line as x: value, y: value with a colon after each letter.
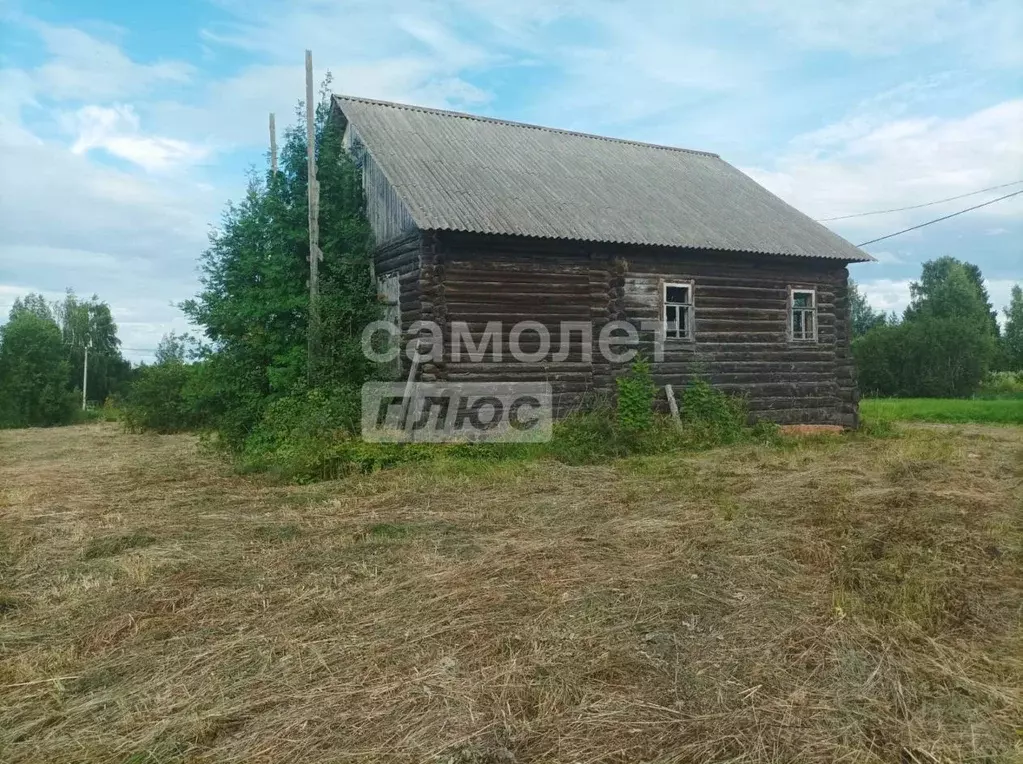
x: 125, y: 127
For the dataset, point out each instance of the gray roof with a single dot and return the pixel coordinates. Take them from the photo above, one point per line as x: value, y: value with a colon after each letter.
x: 458, y: 172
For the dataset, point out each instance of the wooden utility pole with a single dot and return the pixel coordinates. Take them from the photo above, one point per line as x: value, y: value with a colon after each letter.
x: 314, y: 217
x: 85, y: 373
x: 273, y: 145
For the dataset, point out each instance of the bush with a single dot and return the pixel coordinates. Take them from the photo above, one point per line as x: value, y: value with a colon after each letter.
x: 111, y: 411
x: 1002, y: 384
x: 254, y: 302
x: 161, y: 399
x: 314, y: 434
x: 636, y: 397
x: 923, y: 358
x: 87, y: 415
x: 596, y: 436
x: 711, y: 417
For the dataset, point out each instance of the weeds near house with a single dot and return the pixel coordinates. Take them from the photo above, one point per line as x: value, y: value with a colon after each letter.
x: 711, y: 417
x: 314, y: 436
x: 636, y: 397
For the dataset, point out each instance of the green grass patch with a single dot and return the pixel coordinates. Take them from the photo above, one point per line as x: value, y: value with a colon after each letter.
x: 951, y: 410
x: 108, y: 546
x: 286, y: 532
x: 390, y: 531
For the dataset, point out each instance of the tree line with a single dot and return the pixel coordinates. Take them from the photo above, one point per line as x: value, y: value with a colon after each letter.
x: 944, y: 344
x: 251, y: 379
x: 43, y: 349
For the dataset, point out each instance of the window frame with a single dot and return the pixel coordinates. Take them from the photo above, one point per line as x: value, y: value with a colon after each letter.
x: 689, y: 307
x: 812, y: 310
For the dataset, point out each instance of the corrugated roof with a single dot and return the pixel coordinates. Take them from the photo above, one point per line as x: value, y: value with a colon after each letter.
x: 458, y: 172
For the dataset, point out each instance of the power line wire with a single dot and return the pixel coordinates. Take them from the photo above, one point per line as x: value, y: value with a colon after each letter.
x: 938, y: 220
x: 918, y: 206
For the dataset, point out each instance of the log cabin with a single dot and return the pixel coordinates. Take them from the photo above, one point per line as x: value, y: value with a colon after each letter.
x: 481, y: 220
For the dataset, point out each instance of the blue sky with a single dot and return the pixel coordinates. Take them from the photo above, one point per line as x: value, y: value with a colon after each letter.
x: 126, y: 126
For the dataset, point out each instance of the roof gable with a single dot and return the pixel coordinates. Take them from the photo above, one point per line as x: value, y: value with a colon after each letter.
x: 458, y: 172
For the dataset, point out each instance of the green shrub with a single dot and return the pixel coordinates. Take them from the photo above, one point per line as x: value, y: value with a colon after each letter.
x: 87, y: 415
x: 254, y: 303
x: 711, y: 417
x: 587, y: 437
x: 314, y: 435
x: 924, y: 358
x: 111, y: 411
x: 636, y: 397
x: 308, y: 435
x: 1002, y: 384
x: 161, y: 399
x: 596, y: 436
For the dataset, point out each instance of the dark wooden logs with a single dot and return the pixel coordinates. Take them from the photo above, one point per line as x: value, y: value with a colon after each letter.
x: 741, y: 337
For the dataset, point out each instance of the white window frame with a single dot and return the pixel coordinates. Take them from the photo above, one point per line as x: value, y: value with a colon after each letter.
x: 811, y: 311
x: 689, y: 308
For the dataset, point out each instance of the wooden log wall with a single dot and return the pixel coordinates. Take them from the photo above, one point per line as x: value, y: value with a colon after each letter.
x: 387, y: 214
x: 404, y: 257
x: 741, y: 342
x: 845, y: 368
x: 433, y: 302
x: 512, y: 281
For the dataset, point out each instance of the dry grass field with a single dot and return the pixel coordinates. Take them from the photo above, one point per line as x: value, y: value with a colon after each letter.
x: 842, y: 599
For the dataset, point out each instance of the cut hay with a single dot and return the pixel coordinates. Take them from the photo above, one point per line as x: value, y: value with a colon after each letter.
x: 837, y: 599
x: 810, y: 429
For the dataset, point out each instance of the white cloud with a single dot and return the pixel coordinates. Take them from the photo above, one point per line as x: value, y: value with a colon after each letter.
x: 886, y: 257
x: 867, y: 163
x: 893, y: 294
x: 67, y: 221
x: 18, y: 93
x: 11, y: 292
x: 82, y: 67
x: 442, y: 43
x: 986, y: 30
x: 117, y: 130
x: 55, y: 197
x: 1001, y: 292
x: 887, y: 294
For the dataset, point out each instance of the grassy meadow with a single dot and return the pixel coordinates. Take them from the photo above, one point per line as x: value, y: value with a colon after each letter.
x: 833, y: 598
x: 1007, y: 410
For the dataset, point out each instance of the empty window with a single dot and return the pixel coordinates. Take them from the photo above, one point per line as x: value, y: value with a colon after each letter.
x: 803, y: 314
x: 678, y: 311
